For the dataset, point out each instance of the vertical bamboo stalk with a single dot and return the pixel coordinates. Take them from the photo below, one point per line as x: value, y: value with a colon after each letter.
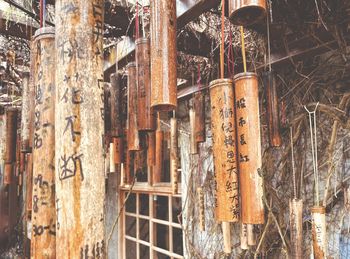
x: 27, y: 102
x: 146, y: 119
x: 319, y: 233
x: 199, y: 108
x: 201, y: 208
x: 273, y: 120
x: 43, y: 241
x: 116, y: 109
x: 193, y: 144
x: 29, y: 185
x: 224, y: 150
x: 251, y: 235
x: 157, y: 170
x: 244, y: 237
x: 249, y: 147
x: 133, y: 133
x: 79, y: 126
x: 296, y: 227
x: 163, y: 55
x: 173, y: 155
x: 226, y: 236
x: 10, y: 145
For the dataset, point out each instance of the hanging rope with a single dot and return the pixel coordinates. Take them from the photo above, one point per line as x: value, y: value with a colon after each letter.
x: 293, y: 165
x: 243, y: 50
x: 313, y: 133
x: 222, y: 47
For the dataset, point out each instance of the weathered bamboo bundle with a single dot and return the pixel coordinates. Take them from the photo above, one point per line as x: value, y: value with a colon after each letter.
x: 133, y: 133
x: 199, y: 108
x: 163, y: 55
x: 296, y: 227
x: 146, y: 119
x: 246, y: 12
x: 79, y: 127
x: 272, y: 110
x: 158, y: 167
x: 224, y: 150
x: 43, y: 241
x: 249, y: 147
x: 173, y: 155
x: 10, y: 144
x: 319, y: 233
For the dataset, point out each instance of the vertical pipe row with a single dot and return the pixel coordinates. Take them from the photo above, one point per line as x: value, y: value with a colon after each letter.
x: 80, y: 182
x: 43, y: 241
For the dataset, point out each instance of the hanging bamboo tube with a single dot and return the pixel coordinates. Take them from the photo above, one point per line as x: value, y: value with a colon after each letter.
x: 112, y: 158
x: 193, y: 142
x: 244, y: 237
x: 251, y: 235
x: 43, y: 241
x: 10, y: 145
x: 173, y: 155
x: 249, y: 147
x: 296, y: 227
x: 151, y: 140
x: 133, y: 134
x: 146, y: 119
x: 272, y: 110
x: 224, y: 150
x: 163, y: 55
x: 157, y: 170
x: 246, y: 12
x: 118, y: 150
x: 27, y: 102
x: 199, y: 108
x: 201, y: 207
x: 116, y: 107
x: 80, y: 181
x: 319, y: 235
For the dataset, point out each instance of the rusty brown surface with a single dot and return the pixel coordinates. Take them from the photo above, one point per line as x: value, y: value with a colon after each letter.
x: 319, y: 241
x: 80, y: 181
x: 151, y: 148
x: 199, y: 108
x: 272, y: 110
x: 223, y: 128
x: 173, y: 155
x: 296, y: 227
x: 133, y: 133
x: 118, y: 150
x: 249, y: 147
x: 116, y: 109
x: 146, y: 119
x: 163, y: 55
x: 158, y: 167
x: 43, y: 241
x: 247, y: 12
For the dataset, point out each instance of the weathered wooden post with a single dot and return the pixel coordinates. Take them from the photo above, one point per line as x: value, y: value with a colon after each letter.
x: 43, y: 241
x: 319, y: 236
x: 146, y: 119
x: 249, y: 147
x: 80, y: 182
x: 163, y: 55
x: 296, y: 227
x: 224, y: 152
x: 246, y: 12
x: 133, y: 133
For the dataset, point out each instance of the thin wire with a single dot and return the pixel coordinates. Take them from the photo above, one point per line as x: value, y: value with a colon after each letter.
x: 293, y: 166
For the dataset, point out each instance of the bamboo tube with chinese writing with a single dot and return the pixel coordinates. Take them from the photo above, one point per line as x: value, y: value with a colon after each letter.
x: 246, y: 12
x: 173, y: 155
x: 163, y: 55
x: 319, y: 234
x: 201, y: 207
x: 146, y: 119
x: 133, y: 133
x: 249, y: 147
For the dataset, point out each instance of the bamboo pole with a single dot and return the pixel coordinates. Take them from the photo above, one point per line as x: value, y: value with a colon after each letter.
x: 296, y: 227
x: 244, y: 237
x: 27, y: 102
x: 151, y: 140
x: 193, y: 142
x: 173, y: 155
x: 80, y: 182
x: 10, y: 145
x: 200, y: 195
x: 111, y: 158
x: 251, y: 235
x: 43, y: 241
x: 163, y: 55
x: 319, y: 234
x: 157, y: 170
